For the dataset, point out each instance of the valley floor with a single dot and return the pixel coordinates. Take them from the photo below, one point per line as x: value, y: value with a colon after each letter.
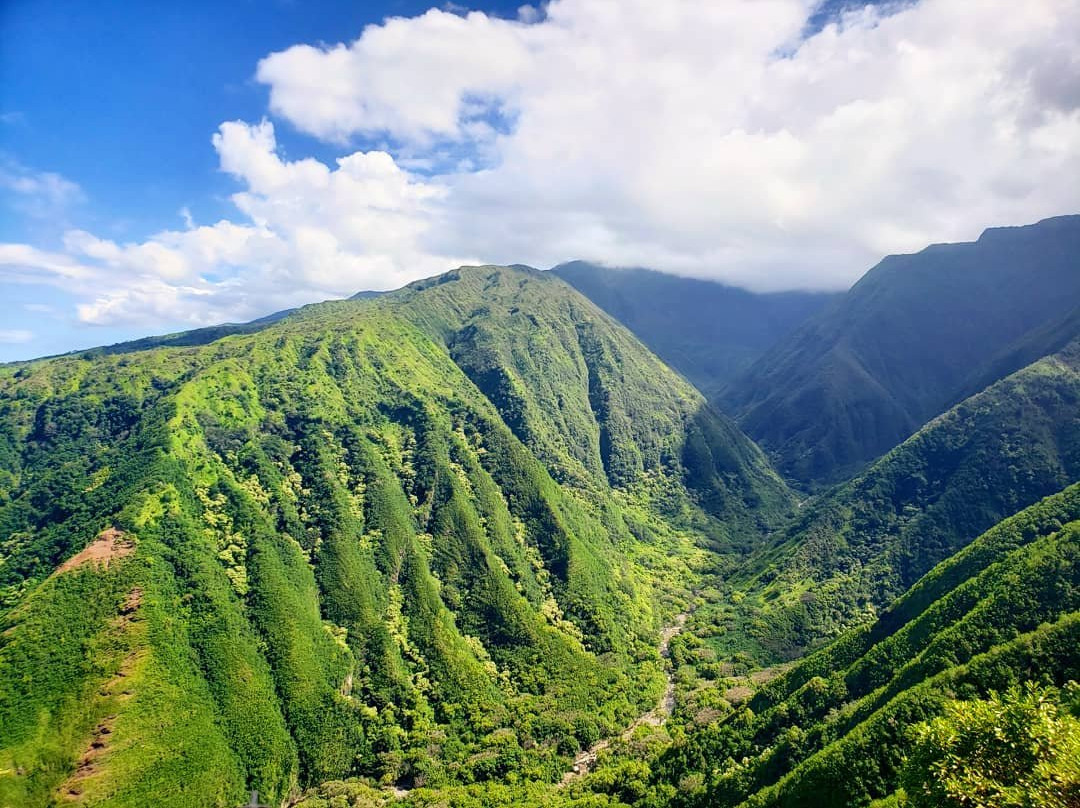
x: 586, y: 760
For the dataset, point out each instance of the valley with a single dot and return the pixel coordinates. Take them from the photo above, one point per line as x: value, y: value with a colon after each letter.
x: 655, y: 717
x: 471, y: 543
x: 556, y: 404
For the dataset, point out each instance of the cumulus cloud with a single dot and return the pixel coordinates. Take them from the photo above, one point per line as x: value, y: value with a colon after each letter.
x: 712, y: 138
x: 462, y: 64
x: 737, y: 140
x: 311, y: 232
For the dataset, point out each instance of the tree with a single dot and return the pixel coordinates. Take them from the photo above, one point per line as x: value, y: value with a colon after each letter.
x: 1020, y: 749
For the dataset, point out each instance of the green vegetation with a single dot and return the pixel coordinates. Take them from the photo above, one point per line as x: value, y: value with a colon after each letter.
x: 419, y: 550
x: 850, y: 552
x: 834, y: 729
x: 426, y: 539
x: 1020, y: 748
x: 915, y: 335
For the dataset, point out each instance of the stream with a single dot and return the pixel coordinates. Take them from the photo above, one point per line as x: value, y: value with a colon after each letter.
x: 653, y: 717
x: 586, y: 759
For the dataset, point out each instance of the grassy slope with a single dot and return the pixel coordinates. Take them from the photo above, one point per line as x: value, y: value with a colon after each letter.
x: 381, y: 538
x: 905, y: 343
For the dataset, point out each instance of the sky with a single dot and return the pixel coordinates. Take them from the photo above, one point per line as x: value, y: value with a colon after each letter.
x: 169, y: 165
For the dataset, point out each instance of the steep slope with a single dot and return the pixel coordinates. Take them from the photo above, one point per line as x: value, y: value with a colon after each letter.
x: 394, y: 538
x: 907, y: 342
x: 855, y: 549
x: 707, y: 331
x: 833, y: 730
x: 585, y: 396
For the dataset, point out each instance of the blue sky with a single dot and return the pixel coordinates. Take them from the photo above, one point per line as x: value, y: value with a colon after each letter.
x: 166, y: 165
x: 122, y: 97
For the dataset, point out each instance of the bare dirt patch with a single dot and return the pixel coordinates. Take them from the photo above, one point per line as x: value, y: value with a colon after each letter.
x: 765, y: 675
x: 738, y: 694
x: 110, y: 544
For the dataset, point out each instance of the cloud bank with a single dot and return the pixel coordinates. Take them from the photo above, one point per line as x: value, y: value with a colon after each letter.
x: 709, y: 139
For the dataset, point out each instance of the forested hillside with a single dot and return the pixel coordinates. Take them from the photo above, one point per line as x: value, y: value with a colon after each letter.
x: 770, y: 500
x: 852, y: 551
x: 915, y: 335
x: 423, y: 548
x: 835, y: 729
x: 707, y: 331
x: 427, y: 539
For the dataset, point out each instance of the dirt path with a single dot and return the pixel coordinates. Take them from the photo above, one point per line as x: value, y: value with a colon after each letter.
x: 655, y: 717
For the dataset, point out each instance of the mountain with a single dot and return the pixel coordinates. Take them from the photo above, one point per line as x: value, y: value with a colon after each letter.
x: 427, y: 538
x: 707, y: 331
x: 833, y: 730
x: 205, y: 335
x: 851, y: 551
x: 915, y: 335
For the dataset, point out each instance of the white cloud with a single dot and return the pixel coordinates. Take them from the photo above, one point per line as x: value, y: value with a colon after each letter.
x: 372, y: 84
x: 312, y: 233
x: 17, y: 335
x: 705, y: 138
x: 40, y: 194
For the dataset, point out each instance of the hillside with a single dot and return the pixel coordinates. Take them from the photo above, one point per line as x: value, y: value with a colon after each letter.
x: 428, y: 539
x: 707, y: 331
x: 589, y: 401
x: 832, y: 731
x: 852, y: 551
x: 915, y: 335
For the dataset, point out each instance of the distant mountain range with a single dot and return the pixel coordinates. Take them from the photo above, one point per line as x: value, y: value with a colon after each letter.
x: 473, y: 543
x: 915, y: 335
x: 707, y: 331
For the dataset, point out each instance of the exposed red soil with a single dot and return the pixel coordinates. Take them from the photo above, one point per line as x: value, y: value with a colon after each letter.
x: 110, y: 544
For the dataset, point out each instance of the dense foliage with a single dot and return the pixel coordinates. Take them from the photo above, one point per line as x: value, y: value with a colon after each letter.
x: 853, y: 550
x: 942, y: 681
x: 834, y: 729
x: 419, y: 549
x: 412, y: 539
x: 1019, y: 749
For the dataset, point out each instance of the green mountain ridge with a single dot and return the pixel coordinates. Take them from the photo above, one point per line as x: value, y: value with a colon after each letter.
x: 915, y: 335
x: 834, y: 730
x: 420, y: 548
x: 851, y: 551
x: 414, y: 538
x: 707, y: 331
